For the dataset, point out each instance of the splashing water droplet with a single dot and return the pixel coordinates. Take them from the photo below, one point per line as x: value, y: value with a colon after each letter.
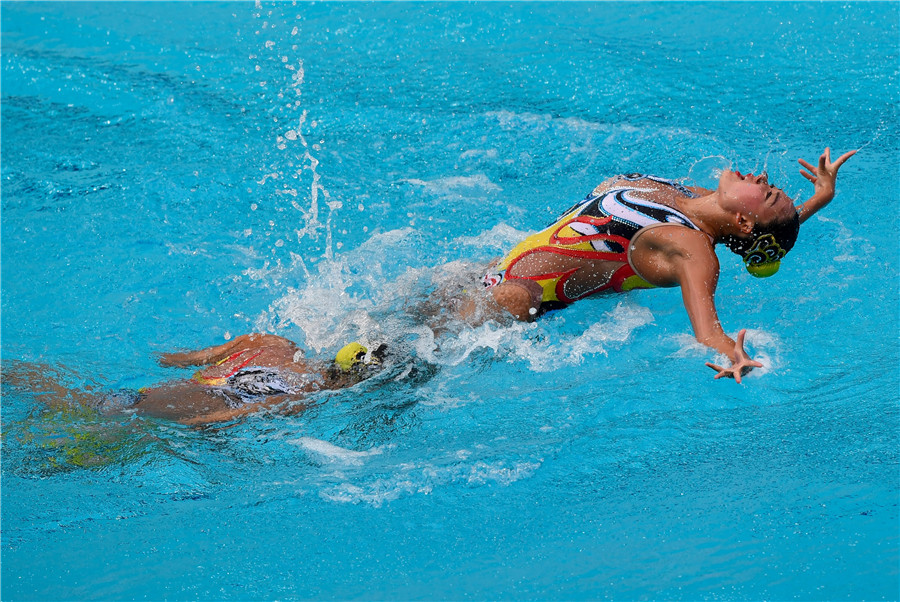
x: 706, y: 171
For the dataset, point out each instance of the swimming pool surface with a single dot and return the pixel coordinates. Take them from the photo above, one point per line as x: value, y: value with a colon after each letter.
x: 174, y: 175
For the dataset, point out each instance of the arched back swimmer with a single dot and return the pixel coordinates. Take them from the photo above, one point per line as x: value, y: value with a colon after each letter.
x: 639, y: 231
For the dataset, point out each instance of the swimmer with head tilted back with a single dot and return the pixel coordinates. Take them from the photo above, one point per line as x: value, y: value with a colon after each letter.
x: 638, y: 231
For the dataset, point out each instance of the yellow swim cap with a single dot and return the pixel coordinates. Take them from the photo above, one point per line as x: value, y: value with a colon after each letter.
x: 763, y: 270
x: 350, y: 355
x: 764, y: 257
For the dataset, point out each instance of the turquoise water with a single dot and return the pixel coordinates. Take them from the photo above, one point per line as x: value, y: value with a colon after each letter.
x: 174, y: 175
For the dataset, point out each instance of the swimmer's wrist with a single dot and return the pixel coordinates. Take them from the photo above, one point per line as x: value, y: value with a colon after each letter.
x: 722, y: 344
x: 824, y: 196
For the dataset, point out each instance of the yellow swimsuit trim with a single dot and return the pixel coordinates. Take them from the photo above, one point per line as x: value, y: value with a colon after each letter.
x: 565, y: 240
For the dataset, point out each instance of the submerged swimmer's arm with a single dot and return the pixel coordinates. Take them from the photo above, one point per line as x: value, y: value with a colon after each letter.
x: 677, y: 256
x: 193, y: 404
x: 230, y: 414
x: 211, y: 355
x: 823, y: 178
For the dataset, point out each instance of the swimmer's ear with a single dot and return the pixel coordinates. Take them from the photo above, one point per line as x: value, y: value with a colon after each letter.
x: 744, y: 223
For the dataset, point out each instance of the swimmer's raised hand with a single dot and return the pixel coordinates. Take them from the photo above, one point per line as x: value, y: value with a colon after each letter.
x: 741, y: 365
x: 823, y: 178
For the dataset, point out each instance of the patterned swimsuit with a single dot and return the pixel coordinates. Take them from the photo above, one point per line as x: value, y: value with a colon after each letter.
x: 599, y: 228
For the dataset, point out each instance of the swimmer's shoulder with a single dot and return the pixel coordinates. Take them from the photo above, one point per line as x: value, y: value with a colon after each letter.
x: 635, y: 181
x: 651, y: 184
x: 615, y: 182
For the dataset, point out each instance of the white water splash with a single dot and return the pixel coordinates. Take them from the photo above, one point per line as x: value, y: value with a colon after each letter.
x: 762, y: 346
x: 424, y: 477
x: 326, y: 313
x: 541, y: 348
x: 326, y: 452
x: 361, y: 294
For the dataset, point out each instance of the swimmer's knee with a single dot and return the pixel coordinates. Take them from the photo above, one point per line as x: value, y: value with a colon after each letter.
x: 521, y: 298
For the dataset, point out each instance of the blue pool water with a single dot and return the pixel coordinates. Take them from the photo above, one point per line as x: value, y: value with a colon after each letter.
x: 174, y: 175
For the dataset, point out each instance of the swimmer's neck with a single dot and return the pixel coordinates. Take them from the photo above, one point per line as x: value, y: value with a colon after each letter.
x: 707, y: 214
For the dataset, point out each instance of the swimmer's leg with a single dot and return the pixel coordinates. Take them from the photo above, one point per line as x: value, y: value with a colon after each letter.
x: 520, y: 297
x: 470, y: 302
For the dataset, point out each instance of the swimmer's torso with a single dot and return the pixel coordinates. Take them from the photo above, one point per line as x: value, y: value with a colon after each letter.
x: 250, y: 375
x: 586, y: 250
x: 276, y: 368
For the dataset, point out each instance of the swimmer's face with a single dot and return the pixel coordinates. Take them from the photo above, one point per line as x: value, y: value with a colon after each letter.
x: 753, y: 196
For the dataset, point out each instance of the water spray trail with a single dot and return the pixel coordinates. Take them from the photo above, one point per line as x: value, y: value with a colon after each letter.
x: 309, y: 162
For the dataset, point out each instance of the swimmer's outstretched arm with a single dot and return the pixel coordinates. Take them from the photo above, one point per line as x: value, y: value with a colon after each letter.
x: 678, y: 256
x: 211, y: 355
x: 823, y: 178
x: 698, y: 280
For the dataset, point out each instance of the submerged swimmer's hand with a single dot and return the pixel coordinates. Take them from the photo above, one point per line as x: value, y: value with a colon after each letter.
x: 741, y: 365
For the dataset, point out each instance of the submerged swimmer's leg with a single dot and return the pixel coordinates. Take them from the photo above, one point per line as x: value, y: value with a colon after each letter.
x: 463, y: 299
x: 43, y: 382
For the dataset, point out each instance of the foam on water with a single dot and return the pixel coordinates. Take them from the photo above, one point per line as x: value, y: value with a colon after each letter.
x: 423, y: 478
x: 540, y: 344
x: 332, y: 454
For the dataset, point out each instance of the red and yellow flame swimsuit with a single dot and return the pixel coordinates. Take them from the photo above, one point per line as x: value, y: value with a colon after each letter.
x: 600, y: 228
x: 222, y: 379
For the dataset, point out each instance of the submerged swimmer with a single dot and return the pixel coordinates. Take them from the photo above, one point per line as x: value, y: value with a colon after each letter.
x: 638, y: 231
x: 250, y: 373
